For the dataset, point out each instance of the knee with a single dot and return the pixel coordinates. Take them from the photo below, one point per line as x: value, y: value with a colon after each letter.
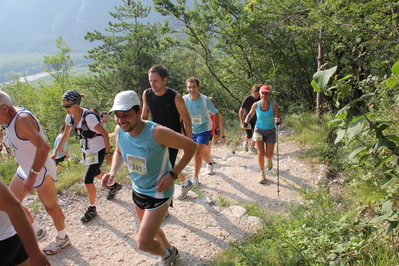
x: 144, y: 244
x: 53, y: 209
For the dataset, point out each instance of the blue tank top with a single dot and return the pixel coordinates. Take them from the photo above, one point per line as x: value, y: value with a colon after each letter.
x: 146, y: 160
x: 265, y: 119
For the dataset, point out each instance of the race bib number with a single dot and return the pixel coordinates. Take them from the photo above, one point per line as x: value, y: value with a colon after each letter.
x: 257, y: 137
x: 136, y: 164
x: 196, y: 119
x: 91, y: 159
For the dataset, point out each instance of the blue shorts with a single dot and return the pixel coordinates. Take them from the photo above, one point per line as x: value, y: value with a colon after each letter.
x: 202, y: 137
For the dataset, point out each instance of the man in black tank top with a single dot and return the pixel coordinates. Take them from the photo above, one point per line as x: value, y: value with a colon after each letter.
x: 168, y: 109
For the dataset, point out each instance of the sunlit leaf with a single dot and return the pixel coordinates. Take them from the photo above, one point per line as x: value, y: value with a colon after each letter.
x: 323, y: 76
x: 340, y: 134
x: 355, y: 152
x: 355, y: 128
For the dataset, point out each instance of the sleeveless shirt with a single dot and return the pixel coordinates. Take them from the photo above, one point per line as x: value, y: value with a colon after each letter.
x: 265, y: 119
x: 146, y: 160
x: 163, y: 109
x: 24, y: 152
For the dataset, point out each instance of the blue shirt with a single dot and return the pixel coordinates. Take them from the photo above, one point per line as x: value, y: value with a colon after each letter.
x: 265, y: 119
x: 199, y: 113
x: 146, y: 160
x: 57, y: 140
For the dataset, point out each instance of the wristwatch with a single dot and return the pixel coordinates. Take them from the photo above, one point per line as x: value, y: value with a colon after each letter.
x: 174, y: 176
x: 109, y: 154
x: 33, y: 171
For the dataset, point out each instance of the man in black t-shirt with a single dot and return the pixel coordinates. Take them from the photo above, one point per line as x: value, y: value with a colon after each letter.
x: 244, y: 110
x: 168, y: 109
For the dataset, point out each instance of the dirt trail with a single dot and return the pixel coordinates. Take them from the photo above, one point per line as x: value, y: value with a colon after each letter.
x: 197, y: 226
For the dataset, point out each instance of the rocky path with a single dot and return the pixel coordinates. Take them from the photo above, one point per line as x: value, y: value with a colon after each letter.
x: 197, y: 225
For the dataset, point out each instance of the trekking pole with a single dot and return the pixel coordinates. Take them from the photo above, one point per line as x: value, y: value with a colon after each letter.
x: 278, y: 168
x: 238, y: 141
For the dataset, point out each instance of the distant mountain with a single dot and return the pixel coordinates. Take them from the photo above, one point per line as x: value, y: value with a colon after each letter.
x: 31, y: 26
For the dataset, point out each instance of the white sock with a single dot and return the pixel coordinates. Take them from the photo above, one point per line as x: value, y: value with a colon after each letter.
x: 184, y: 183
x: 61, y: 234
x: 35, y: 226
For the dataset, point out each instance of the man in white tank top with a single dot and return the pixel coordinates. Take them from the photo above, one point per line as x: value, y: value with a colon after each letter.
x: 36, y: 170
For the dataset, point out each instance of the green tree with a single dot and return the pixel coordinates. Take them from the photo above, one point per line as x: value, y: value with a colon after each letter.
x: 128, y: 51
x: 59, y: 65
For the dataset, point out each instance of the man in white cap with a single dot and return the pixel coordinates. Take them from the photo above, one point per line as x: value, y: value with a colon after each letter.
x: 143, y: 146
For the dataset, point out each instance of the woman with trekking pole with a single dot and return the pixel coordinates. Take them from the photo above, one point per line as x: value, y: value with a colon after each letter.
x: 268, y: 116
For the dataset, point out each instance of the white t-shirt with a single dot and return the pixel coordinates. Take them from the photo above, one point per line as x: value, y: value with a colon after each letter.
x: 93, y: 144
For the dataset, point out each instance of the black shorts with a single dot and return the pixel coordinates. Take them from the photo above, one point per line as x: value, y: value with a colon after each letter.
x: 173, y: 155
x: 94, y: 169
x: 145, y: 202
x: 60, y: 160
x: 12, y: 252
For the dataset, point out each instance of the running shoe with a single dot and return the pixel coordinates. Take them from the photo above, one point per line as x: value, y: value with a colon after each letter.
x: 245, y: 146
x: 269, y: 164
x: 262, y: 178
x: 90, y: 214
x: 174, y: 254
x: 195, y: 181
x: 41, y: 235
x: 112, y: 191
x: 209, y: 169
x: 55, y: 246
x: 184, y: 190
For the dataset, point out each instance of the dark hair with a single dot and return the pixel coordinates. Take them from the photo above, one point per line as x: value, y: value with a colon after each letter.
x: 192, y: 80
x: 103, y: 113
x: 161, y: 70
x: 256, y: 88
x: 136, y: 108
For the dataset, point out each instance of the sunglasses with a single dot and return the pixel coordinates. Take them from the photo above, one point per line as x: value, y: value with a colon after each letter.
x: 67, y: 106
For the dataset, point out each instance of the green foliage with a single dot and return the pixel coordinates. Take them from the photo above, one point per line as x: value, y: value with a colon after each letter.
x: 59, y: 65
x: 130, y: 49
x: 7, y: 169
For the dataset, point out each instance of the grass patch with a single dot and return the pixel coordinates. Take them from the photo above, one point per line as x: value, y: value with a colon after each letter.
x: 224, y: 201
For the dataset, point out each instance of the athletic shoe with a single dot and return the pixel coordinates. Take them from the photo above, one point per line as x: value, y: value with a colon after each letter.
x: 195, y: 181
x: 174, y: 254
x: 269, y: 164
x: 245, y: 146
x: 209, y: 169
x: 112, y: 191
x: 41, y: 235
x: 55, y: 246
x: 262, y: 178
x: 184, y: 190
x: 90, y: 214
x: 254, y: 150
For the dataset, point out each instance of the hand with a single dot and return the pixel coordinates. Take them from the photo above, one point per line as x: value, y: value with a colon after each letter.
x: 165, y: 182
x: 245, y: 125
x: 29, y: 182
x: 277, y: 120
x: 107, y: 179
x: 67, y: 156
x: 53, y: 156
x: 223, y: 140
x: 39, y: 259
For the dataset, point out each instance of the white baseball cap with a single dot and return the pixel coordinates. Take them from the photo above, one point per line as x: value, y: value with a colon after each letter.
x: 125, y: 100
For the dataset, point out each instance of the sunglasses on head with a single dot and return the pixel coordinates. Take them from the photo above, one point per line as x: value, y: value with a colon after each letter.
x: 68, y: 105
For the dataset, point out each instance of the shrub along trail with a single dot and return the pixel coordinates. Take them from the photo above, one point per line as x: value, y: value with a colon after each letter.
x: 198, y: 226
